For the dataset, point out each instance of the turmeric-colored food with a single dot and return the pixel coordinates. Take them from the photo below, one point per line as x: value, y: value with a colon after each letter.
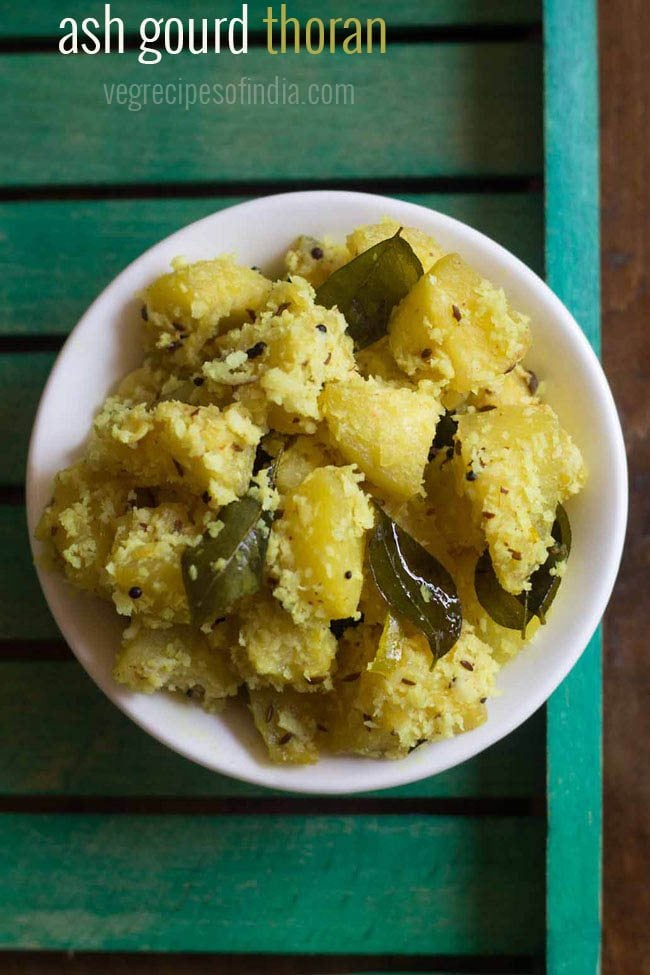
x: 335, y: 496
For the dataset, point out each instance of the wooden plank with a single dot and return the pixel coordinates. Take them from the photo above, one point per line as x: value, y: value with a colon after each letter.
x: 330, y: 884
x: 574, y: 711
x: 23, y: 610
x: 57, y: 256
x: 489, y: 90
x: 71, y: 749
x: 625, y: 67
x: 22, y: 377
x: 42, y: 19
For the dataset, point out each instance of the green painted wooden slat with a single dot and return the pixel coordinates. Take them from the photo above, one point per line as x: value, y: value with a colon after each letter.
x: 42, y: 19
x: 271, y: 884
x: 23, y: 611
x: 71, y: 749
x: 22, y: 378
x: 574, y: 711
x: 446, y: 118
x: 57, y: 256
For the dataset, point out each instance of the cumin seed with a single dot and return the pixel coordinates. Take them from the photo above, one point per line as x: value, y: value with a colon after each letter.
x: 532, y: 382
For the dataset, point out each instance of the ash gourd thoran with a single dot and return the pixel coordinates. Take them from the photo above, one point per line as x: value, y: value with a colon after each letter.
x: 297, y: 496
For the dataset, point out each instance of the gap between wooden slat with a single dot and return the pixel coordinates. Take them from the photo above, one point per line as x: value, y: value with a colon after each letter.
x: 531, y: 183
x: 289, y: 805
x: 13, y: 494
x: 31, y: 343
x: 80, y: 963
x: 18, y: 650
x: 433, y: 34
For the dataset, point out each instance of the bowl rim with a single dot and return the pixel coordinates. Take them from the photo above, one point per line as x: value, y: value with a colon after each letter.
x: 389, y: 774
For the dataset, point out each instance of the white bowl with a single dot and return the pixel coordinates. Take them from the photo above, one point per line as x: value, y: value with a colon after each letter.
x: 105, y: 345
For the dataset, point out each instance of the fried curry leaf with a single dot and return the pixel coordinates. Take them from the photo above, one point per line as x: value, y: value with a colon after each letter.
x: 220, y: 570
x: 415, y: 585
x: 367, y: 288
x: 516, y: 611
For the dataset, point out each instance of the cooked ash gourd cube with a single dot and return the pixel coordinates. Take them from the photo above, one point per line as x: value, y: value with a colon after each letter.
x: 298, y: 460
x: 457, y: 329
x: 144, y: 566
x: 180, y: 659
x: 274, y: 650
x: 280, y: 362
x: 515, y: 465
x: 442, y: 516
x: 314, y: 260
x: 505, y: 643
x: 426, y: 249
x: 387, y: 677
x: 291, y: 724
x: 385, y: 430
x: 203, y: 448
x: 194, y: 302
x: 142, y: 385
x: 518, y: 386
x: 316, y: 548
x: 377, y: 360
x: 79, y: 523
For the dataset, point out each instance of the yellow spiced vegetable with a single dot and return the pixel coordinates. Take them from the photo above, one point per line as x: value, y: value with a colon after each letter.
x: 337, y: 495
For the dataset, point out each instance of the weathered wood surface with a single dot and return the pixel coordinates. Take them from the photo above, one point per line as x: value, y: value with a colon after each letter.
x: 625, y: 67
x: 332, y: 884
x: 458, y: 91
x: 574, y: 711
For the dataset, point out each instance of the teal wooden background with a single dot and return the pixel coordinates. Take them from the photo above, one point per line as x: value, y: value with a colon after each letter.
x: 573, y: 271
x: 108, y: 841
